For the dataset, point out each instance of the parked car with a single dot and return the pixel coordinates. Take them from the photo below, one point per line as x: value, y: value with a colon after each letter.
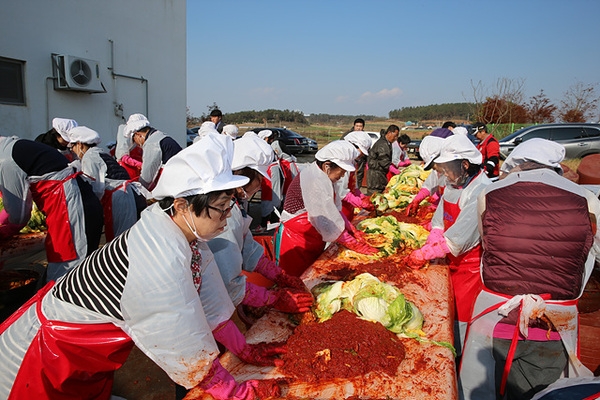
x: 579, y: 139
x: 191, y: 135
x: 374, y: 136
x: 313, y: 146
x: 293, y: 142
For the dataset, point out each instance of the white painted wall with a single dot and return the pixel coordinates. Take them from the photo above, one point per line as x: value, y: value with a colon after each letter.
x: 137, y: 38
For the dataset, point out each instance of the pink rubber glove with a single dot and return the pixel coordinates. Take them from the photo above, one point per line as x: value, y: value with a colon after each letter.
x: 222, y: 386
x: 404, y: 163
x: 352, y: 230
x: 353, y: 199
x: 286, y: 300
x: 413, y: 207
x: 435, y: 247
x: 228, y: 334
x: 353, y: 244
x: 8, y: 230
x: 132, y: 162
x: 434, y: 198
x: 270, y: 270
x: 394, y: 170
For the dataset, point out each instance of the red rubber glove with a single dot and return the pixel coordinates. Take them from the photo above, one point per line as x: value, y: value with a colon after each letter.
x: 292, y: 300
x: 353, y: 244
x: 222, y: 386
x: 413, y: 207
x: 270, y: 270
x: 228, y: 334
x: 284, y: 299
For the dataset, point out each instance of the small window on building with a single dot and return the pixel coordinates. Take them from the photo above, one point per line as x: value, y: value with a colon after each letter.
x: 12, y: 85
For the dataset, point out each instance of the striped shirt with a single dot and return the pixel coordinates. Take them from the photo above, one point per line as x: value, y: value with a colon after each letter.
x: 97, y: 283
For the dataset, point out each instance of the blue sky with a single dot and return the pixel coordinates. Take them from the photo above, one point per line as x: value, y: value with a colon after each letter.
x: 369, y: 57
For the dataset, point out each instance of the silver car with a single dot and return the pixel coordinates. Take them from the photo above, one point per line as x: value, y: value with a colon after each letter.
x: 579, y: 139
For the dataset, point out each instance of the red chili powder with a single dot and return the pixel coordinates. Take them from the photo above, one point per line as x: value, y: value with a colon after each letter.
x: 343, y: 347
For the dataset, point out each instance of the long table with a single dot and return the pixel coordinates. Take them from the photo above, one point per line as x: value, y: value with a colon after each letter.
x: 427, y: 372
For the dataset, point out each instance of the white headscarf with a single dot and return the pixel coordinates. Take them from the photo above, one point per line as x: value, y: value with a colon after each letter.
x: 201, y: 168
x: 360, y: 139
x: 63, y: 126
x: 341, y: 152
x: 253, y: 152
x: 459, y: 147
x: 135, y: 123
x: 230, y: 130
x: 542, y: 151
x: 84, y: 134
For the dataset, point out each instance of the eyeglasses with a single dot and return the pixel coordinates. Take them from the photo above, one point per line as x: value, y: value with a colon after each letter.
x: 224, y: 212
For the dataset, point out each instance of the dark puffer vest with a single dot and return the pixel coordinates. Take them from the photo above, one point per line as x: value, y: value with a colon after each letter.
x: 536, y: 239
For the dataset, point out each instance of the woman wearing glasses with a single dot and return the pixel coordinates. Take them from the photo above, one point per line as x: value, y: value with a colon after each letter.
x: 236, y: 250
x: 141, y: 288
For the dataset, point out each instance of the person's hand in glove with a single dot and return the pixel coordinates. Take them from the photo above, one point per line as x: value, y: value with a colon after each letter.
x: 222, y: 386
x: 284, y: 299
x: 353, y: 244
x: 413, y: 207
x: 352, y: 230
x: 393, y: 169
x: 8, y: 230
x: 435, y: 247
x: 366, y: 203
x: 228, y: 334
x: 354, y: 199
x: 270, y: 270
x: 132, y: 162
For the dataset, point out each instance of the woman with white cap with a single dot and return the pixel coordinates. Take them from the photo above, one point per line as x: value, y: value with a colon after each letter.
x: 235, y: 250
x: 58, y: 136
x: 312, y: 211
x: 34, y: 171
x: 156, y: 146
x: 281, y: 172
x: 120, y: 197
x: 347, y: 187
x: 454, y: 225
x: 434, y: 184
x: 140, y: 288
x: 540, y: 242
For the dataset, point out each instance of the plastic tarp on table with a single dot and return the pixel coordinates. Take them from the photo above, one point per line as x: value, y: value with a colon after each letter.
x: 427, y: 372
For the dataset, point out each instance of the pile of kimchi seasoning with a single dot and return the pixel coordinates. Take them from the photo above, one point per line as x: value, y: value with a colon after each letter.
x: 343, y: 347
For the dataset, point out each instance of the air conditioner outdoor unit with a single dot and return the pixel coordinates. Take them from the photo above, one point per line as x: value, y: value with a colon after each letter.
x: 76, y: 73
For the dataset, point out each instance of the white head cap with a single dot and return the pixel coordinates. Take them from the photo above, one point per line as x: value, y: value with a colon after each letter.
x: 63, y: 126
x: 230, y: 130
x: 265, y: 133
x: 430, y: 148
x: 251, y: 151
x: 135, y: 123
x: 360, y: 139
x: 458, y: 147
x: 201, y: 168
x: 341, y: 152
x: 84, y: 134
x: 460, y: 130
x: 543, y: 151
x: 206, y: 128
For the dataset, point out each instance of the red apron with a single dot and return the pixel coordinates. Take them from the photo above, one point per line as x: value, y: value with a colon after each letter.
x: 464, y: 270
x: 49, y: 196
x: 297, y: 245
x: 106, y: 201
x: 68, y: 360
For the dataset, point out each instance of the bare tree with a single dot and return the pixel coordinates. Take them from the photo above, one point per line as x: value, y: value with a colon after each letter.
x: 498, y: 103
x: 579, y: 103
x: 540, y: 109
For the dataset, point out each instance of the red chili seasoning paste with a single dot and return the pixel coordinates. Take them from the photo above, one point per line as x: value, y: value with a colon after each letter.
x: 343, y: 347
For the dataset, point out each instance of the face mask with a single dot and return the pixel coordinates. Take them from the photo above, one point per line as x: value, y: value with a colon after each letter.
x: 195, y: 231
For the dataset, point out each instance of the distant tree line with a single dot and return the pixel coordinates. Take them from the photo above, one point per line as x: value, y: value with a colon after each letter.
x: 266, y: 117
x: 332, y: 119
x: 461, y: 111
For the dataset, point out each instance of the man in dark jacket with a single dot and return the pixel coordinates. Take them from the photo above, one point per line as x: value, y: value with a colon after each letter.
x: 379, y: 160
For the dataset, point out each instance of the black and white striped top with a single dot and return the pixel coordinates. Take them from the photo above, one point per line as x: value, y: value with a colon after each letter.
x: 97, y: 283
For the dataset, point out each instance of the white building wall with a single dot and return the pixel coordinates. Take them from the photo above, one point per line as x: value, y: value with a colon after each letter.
x: 141, y: 47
